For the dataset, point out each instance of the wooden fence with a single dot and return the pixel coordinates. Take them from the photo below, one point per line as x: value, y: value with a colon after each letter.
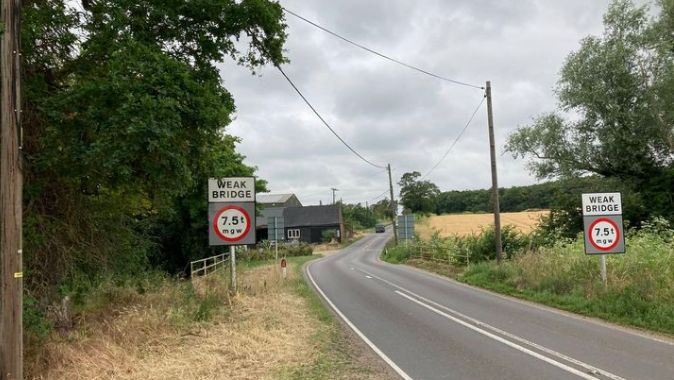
x: 208, y: 266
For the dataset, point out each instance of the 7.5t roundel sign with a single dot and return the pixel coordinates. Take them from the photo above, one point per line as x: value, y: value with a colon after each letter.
x: 604, y: 234
x: 231, y: 223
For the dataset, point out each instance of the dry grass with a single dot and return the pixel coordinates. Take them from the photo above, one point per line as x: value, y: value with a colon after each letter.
x: 467, y: 224
x: 267, y: 329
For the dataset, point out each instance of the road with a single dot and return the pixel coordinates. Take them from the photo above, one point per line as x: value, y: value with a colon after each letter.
x: 427, y: 327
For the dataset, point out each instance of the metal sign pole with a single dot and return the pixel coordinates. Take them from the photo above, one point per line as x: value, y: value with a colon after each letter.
x: 232, y: 262
x: 276, y: 239
x: 602, y: 268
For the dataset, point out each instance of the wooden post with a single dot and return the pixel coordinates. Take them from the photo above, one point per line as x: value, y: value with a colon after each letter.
x: 11, y: 187
x: 494, y: 179
x: 393, y: 205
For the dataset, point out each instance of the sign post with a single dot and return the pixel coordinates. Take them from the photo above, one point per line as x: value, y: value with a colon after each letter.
x: 405, y: 227
x: 231, y: 215
x: 603, y: 226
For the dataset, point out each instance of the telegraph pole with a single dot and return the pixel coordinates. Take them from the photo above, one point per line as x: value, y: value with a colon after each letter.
x: 494, y: 179
x: 11, y: 181
x: 393, y: 205
x: 333, y: 194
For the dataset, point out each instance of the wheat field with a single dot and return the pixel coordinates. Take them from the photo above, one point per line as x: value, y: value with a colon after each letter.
x: 466, y: 224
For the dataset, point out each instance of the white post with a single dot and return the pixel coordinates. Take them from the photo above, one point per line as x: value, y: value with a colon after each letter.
x: 232, y: 263
x: 602, y: 268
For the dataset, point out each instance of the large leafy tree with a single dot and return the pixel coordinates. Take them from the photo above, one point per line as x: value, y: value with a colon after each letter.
x: 616, y: 85
x: 417, y: 195
x: 124, y: 119
x: 616, y: 117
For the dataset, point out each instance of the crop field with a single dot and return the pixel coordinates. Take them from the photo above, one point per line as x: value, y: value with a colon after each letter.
x: 466, y: 224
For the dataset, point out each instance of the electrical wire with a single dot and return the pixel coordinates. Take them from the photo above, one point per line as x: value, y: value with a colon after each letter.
x: 381, y: 54
x: 325, y: 122
x: 379, y: 196
x: 457, y: 138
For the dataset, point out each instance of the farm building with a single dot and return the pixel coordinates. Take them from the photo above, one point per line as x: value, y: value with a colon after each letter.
x: 270, y: 206
x: 278, y: 200
x: 309, y: 224
x: 301, y: 223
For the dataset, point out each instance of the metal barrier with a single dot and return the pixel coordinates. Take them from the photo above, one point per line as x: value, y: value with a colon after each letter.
x: 425, y: 251
x: 207, y: 266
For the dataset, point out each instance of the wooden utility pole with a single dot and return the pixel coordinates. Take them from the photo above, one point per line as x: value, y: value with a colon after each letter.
x: 11, y: 273
x: 393, y: 205
x: 333, y: 194
x: 494, y: 178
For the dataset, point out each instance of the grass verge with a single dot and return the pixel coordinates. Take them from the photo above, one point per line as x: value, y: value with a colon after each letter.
x: 337, y: 356
x: 639, y: 293
x: 273, y: 328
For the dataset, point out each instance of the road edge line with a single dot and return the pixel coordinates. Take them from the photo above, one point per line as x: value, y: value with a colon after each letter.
x: 645, y: 334
x: 353, y: 327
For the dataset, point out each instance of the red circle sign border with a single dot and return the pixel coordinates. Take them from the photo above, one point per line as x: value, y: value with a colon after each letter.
x: 223, y: 237
x: 617, y: 234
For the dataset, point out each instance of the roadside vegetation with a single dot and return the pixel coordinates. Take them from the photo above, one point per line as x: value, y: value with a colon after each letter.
x: 125, y: 118
x: 640, y: 283
x: 619, y: 87
x: 168, y: 328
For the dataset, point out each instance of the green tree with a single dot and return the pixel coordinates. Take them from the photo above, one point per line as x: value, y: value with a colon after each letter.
x: 358, y: 216
x: 417, y: 195
x: 124, y: 120
x: 620, y: 87
x: 382, y: 210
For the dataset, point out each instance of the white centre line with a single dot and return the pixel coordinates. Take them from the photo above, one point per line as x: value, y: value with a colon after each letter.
x: 588, y: 367
x: 501, y: 340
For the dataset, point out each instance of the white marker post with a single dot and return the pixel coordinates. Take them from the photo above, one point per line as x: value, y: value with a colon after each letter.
x: 283, y: 267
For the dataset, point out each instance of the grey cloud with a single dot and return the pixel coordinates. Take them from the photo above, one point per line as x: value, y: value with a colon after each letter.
x: 392, y: 114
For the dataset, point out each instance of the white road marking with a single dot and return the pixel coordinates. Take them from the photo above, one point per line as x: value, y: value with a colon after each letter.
x: 362, y: 336
x: 548, y: 351
x: 549, y: 309
x: 368, y: 276
x: 501, y: 340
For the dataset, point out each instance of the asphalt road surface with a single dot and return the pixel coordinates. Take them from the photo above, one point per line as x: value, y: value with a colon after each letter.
x: 427, y: 327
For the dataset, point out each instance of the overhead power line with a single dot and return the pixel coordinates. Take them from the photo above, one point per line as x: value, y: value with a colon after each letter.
x: 325, y: 122
x: 457, y: 138
x: 379, y: 196
x: 409, y: 66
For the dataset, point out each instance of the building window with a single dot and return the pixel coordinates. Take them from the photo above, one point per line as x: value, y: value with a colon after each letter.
x: 294, y: 234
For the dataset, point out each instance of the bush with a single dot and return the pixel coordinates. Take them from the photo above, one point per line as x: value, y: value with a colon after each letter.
x: 266, y: 251
x: 463, y: 249
x: 398, y: 254
x: 328, y: 236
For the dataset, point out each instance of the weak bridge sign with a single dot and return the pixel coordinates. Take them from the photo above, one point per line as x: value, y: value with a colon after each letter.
x: 603, y: 223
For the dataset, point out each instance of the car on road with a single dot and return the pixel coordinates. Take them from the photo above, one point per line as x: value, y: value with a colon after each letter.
x: 379, y: 228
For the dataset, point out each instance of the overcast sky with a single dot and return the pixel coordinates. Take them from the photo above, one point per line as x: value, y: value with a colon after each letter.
x: 391, y: 114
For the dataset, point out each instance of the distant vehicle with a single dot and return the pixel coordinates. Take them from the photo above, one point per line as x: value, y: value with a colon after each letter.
x: 379, y: 228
